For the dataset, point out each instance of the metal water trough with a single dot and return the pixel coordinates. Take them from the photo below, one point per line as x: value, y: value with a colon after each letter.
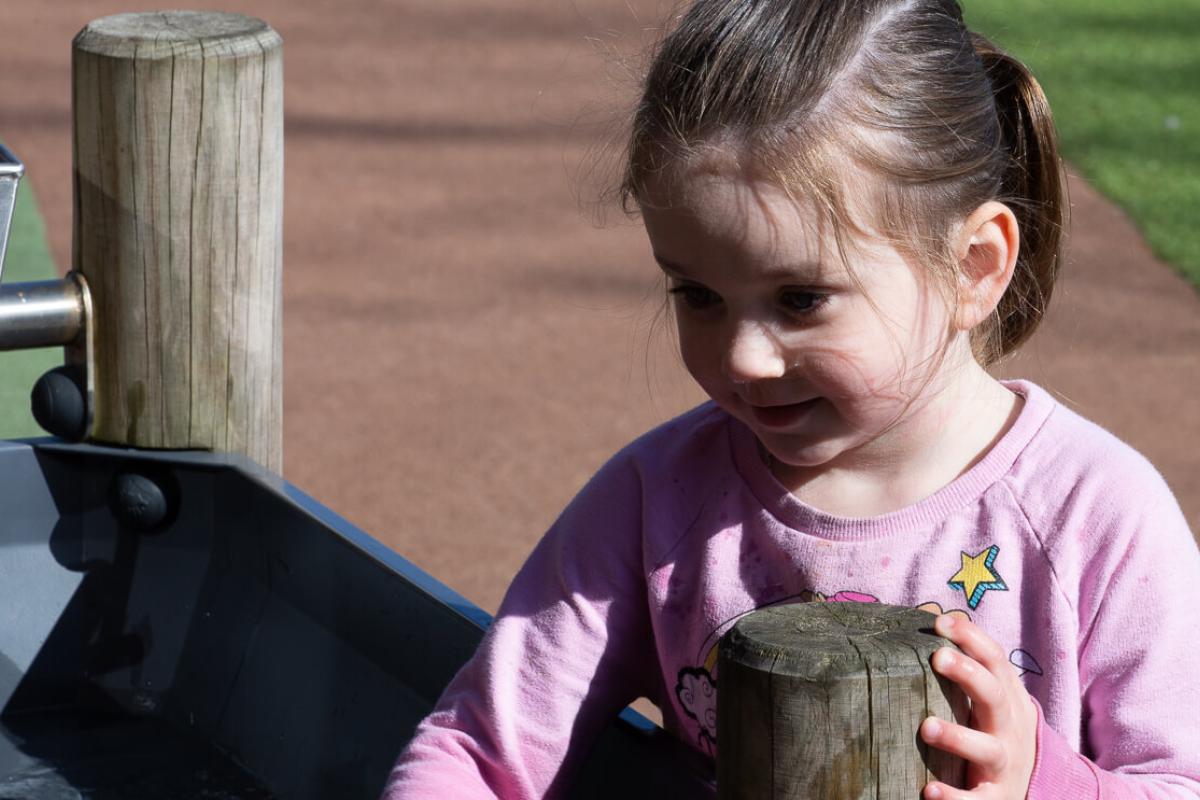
x: 187, y: 625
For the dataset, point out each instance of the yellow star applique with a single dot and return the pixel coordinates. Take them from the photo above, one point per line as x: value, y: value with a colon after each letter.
x: 978, y: 574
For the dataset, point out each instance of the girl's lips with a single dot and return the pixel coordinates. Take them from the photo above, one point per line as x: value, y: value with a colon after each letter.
x: 782, y: 416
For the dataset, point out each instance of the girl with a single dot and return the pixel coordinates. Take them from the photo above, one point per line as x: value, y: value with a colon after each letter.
x: 857, y: 207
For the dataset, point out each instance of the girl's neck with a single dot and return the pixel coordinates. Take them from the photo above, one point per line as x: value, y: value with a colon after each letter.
x: 951, y: 431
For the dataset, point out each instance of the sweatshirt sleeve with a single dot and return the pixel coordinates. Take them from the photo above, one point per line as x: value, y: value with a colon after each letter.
x: 1138, y: 578
x: 569, y: 648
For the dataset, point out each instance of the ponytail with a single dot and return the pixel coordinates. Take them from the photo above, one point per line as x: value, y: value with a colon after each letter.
x: 1032, y: 185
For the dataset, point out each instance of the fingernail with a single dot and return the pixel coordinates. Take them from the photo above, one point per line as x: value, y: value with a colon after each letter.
x: 933, y: 793
x: 933, y: 726
x: 943, y: 657
x: 947, y: 622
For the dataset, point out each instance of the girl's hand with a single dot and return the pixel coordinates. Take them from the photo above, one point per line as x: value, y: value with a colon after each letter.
x: 1001, y: 743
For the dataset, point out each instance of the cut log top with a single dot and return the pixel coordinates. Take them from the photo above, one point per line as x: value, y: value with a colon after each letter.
x: 817, y: 641
x: 177, y: 34
x: 822, y: 701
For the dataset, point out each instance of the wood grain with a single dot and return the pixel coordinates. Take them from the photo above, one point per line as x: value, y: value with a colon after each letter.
x: 178, y: 168
x: 822, y: 701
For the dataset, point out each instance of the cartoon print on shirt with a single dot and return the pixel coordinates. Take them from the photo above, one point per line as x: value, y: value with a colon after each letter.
x: 937, y: 610
x: 838, y: 597
x: 1024, y: 661
x: 978, y: 575
x: 697, y: 693
x: 696, y: 687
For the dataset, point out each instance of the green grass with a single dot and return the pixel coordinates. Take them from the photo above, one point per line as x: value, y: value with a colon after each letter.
x: 28, y: 259
x: 1124, y: 83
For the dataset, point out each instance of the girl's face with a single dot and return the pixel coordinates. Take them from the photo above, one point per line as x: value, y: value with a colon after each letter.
x: 827, y: 366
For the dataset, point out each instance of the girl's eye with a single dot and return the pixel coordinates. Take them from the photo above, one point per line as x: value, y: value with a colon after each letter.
x: 801, y: 302
x: 695, y: 297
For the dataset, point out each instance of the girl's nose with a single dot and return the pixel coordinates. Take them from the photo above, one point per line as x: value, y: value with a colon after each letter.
x: 753, y: 354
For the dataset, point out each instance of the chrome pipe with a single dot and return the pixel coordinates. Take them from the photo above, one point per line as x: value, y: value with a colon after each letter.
x: 40, y: 313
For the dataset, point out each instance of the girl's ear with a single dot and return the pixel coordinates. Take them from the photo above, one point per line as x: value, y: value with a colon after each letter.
x: 987, y: 253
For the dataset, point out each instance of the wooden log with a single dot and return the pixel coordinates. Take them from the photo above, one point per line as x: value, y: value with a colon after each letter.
x: 178, y: 166
x: 822, y: 701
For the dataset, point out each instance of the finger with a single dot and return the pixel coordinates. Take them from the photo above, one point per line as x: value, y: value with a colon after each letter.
x: 989, y: 697
x: 981, y: 749
x: 936, y: 790
x: 975, y: 643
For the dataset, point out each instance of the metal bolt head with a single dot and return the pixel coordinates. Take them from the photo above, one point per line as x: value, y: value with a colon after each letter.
x: 142, y: 503
x: 58, y: 405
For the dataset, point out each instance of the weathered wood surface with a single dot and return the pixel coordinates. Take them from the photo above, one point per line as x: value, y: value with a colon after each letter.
x: 178, y: 165
x: 822, y: 701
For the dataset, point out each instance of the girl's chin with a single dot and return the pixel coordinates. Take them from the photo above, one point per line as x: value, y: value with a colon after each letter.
x: 795, y: 461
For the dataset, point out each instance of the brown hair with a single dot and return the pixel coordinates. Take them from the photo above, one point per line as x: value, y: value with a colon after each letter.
x: 804, y: 88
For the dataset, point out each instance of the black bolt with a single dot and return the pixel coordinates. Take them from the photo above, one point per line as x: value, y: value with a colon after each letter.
x: 58, y: 405
x: 141, y: 503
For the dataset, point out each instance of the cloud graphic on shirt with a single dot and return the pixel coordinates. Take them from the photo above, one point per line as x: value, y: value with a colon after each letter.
x: 937, y: 610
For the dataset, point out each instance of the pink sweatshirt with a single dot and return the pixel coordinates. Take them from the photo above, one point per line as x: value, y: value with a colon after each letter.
x: 1063, y: 543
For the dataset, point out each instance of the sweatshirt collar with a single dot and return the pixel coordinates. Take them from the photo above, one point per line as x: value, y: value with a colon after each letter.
x: 922, y: 515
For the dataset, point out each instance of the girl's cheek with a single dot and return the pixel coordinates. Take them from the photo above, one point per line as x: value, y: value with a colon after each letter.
x: 703, y: 352
x: 837, y: 373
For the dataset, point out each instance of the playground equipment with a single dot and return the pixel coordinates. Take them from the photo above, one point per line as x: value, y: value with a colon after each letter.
x: 189, y: 625
x: 47, y: 314
x: 179, y: 621
x: 823, y: 700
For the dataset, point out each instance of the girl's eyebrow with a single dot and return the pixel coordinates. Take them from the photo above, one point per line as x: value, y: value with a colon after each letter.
x: 806, y: 272
x: 670, y: 266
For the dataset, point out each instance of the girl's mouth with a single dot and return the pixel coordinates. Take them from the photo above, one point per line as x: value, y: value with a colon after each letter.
x: 782, y: 416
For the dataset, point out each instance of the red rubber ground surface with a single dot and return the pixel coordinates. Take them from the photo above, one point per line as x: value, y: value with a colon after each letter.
x: 463, y: 348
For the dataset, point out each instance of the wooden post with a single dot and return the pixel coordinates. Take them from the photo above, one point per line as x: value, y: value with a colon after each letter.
x: 178, y: 157
x: 822, y: 701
